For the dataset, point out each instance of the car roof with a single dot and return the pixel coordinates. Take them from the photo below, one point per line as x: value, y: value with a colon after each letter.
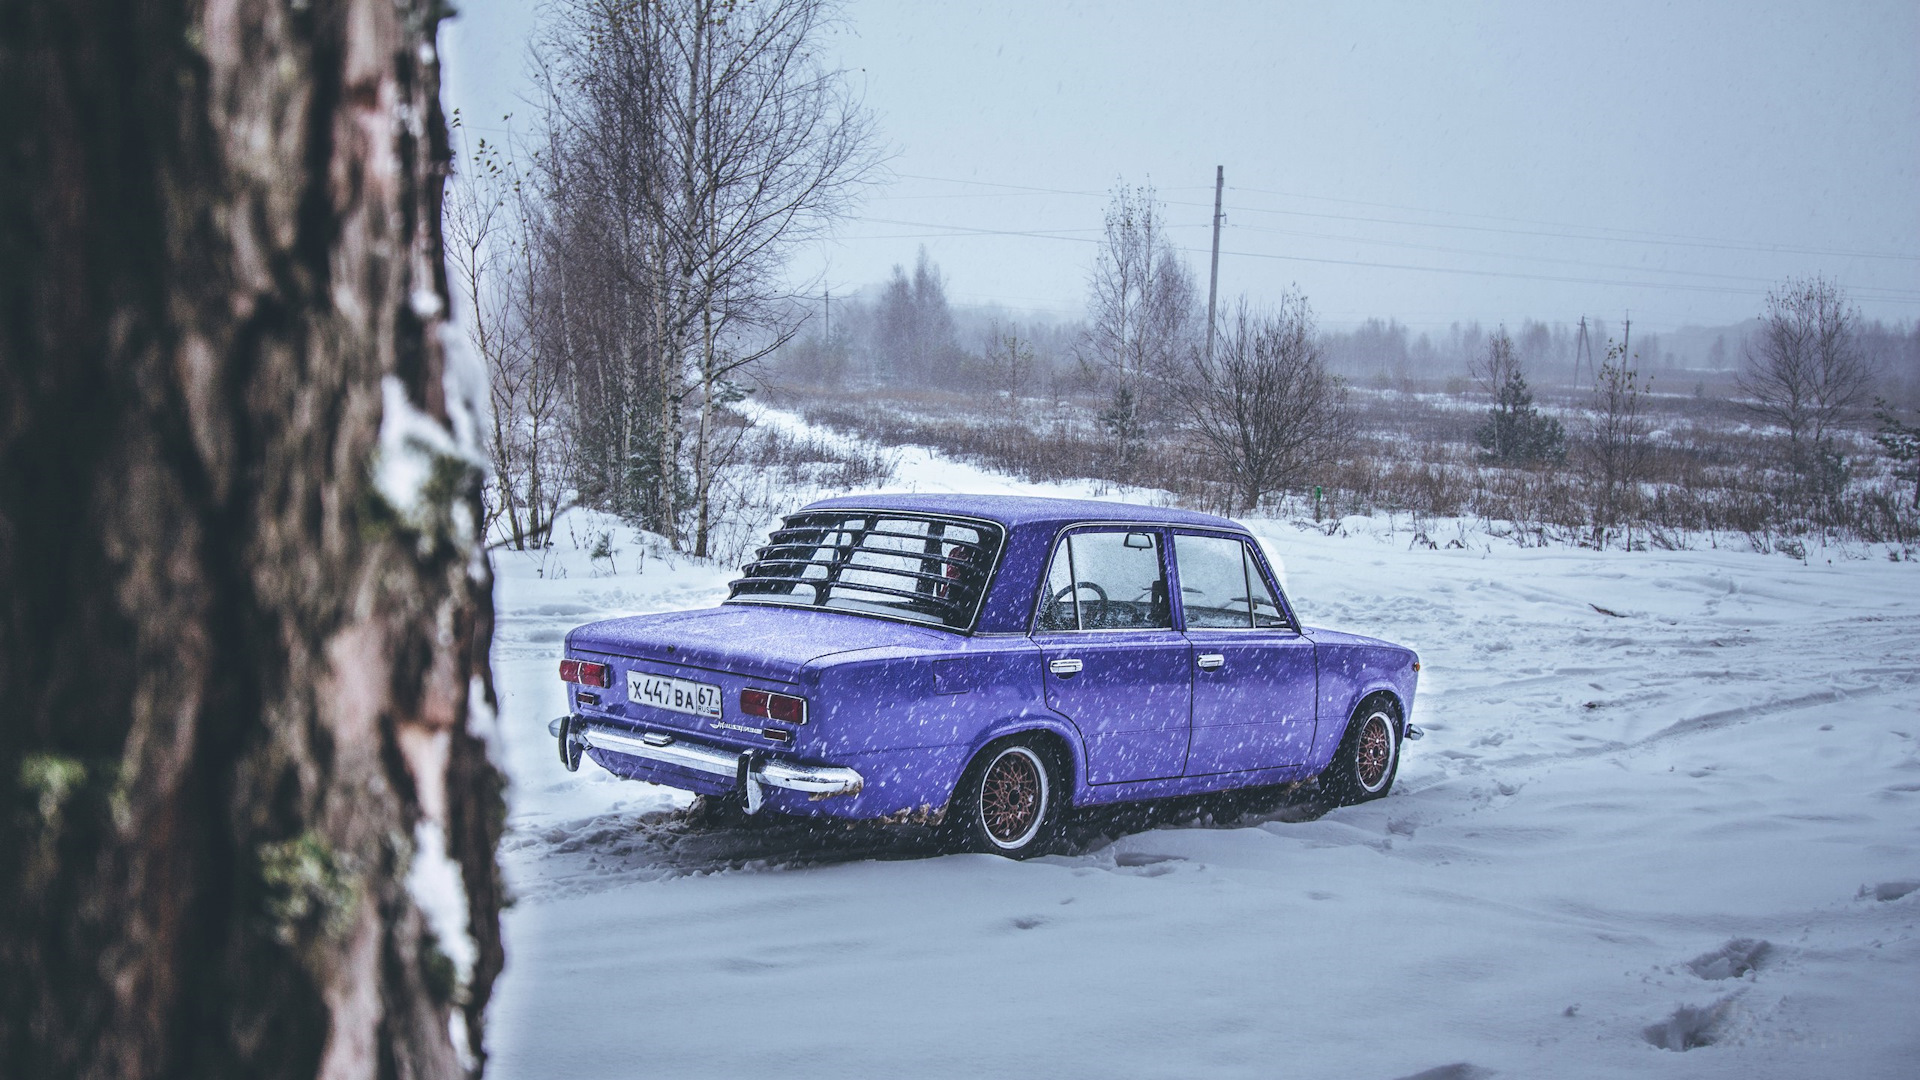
x: 1025, y: 510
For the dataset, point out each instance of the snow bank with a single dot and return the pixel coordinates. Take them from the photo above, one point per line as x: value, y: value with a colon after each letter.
x: 1680, y: 840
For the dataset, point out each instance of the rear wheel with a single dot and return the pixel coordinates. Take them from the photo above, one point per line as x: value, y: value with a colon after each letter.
x: 1368, y: 758
x: 1010, y: 800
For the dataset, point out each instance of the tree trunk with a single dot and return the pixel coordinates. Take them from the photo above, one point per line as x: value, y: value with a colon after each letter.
x: 702, y: 460
x: 245, y: 827
x: 666, y: 382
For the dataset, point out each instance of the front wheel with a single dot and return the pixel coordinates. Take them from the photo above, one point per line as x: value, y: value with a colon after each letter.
x: 1368, y: 758
x: 1010, y: 801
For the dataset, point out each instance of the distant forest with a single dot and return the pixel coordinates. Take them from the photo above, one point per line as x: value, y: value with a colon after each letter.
x: 906, y: 333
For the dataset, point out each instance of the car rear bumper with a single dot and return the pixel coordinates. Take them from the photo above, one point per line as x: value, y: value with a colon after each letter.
x: 749, y: 770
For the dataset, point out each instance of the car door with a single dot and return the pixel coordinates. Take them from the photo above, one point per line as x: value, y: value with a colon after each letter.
x: 1115, y: 665
x: 1255, y: 684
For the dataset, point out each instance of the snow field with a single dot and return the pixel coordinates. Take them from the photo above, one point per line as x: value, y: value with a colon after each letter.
x: 1683, y: 840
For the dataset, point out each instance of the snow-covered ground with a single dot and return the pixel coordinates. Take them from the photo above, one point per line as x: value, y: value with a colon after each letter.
x: 1693, y: 821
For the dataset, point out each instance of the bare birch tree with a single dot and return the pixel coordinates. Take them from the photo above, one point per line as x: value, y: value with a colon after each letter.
x: 1010, y: 363
x: 1616, y: 449
x: 496, y: 259
x: 1264, y: 409
x: 1141, y: 314
x: 1805, y: 369
x: 773, y: 149
x: 614, y: 281
x: 249, y: 831
x: 704, y: 139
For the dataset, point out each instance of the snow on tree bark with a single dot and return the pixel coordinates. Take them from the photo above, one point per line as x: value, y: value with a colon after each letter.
x: 239, y: 674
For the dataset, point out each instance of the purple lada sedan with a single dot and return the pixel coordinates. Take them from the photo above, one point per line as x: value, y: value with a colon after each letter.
x: 984, y: 664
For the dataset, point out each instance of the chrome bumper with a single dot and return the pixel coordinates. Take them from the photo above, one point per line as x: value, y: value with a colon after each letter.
x: 752, y: 768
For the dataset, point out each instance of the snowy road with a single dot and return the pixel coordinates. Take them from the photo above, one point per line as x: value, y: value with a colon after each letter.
x: 1696, y: 820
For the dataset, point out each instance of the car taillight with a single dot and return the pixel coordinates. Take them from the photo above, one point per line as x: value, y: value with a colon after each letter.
x: 782, y: 707
x: 586, y: 672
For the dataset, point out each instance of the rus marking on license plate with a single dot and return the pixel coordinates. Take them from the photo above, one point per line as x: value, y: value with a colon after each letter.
x: 679, y: 695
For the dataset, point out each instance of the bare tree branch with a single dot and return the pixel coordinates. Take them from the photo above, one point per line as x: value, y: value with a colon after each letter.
x: 1264, y: 409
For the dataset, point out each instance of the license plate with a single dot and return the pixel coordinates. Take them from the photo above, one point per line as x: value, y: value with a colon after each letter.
x: 679, y: 695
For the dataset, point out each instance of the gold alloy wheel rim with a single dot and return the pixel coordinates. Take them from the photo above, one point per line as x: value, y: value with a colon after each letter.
x: 1375, y: 752
x: 1011, y: 797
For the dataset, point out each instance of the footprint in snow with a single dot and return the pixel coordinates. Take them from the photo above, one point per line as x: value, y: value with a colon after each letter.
x: 1146, y: 864
x: 1459, y: 1070
x: 1737, y: 958
x: 1888, y: 890
x: 1690, y: 1026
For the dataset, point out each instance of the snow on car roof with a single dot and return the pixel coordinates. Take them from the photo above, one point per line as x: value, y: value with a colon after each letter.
x: 1017, y: 510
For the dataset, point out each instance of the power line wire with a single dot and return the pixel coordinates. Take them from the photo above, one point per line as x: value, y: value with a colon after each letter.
x: 1773, y: 249
x: 1461, y: 271
x: 1640, y: 237
x: 1628, y: 233
x: 1499, y: 255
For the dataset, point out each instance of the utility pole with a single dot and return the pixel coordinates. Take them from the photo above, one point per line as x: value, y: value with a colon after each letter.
x: 1213, y: 277
x: 1583, y: 349
x: 826, y: 295
x: 1626, y: 339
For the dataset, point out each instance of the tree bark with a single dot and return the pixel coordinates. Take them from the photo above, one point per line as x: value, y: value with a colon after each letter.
x: 246, y: 827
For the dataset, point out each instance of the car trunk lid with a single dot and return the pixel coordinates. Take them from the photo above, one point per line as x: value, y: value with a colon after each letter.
x: 756, y: 640
x: 730, y: 649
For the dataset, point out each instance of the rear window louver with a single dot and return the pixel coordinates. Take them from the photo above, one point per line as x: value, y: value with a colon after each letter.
x: 923, y: 568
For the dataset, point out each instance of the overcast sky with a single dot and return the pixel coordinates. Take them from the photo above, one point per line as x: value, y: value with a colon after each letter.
x: 1426, y: 162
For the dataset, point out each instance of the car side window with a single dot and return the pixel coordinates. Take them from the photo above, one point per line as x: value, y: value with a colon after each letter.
x: 1221, y: 585
x: 1266, y: 609
x: 1106, y: 581
x: 1058, y: 604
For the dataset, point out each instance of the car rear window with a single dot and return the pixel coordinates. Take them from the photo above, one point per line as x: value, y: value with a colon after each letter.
x: 921, y: 567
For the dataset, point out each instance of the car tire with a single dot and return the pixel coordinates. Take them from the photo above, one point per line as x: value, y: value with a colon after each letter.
x: 1010, y: 800
x: 1369, y: 756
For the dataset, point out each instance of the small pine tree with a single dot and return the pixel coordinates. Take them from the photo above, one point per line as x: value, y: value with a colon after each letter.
x: 1516, y: 431
x: 1121, y: 417
x: 1121, y: 420
x: 1901, y: 442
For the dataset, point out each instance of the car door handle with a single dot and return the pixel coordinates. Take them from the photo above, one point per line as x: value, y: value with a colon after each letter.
x: 1210, y: 660
x: 1064, y: 667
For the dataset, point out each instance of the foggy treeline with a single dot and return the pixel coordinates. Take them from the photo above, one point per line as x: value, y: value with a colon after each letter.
x: 1378, y: 353
x: 905, y: 333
